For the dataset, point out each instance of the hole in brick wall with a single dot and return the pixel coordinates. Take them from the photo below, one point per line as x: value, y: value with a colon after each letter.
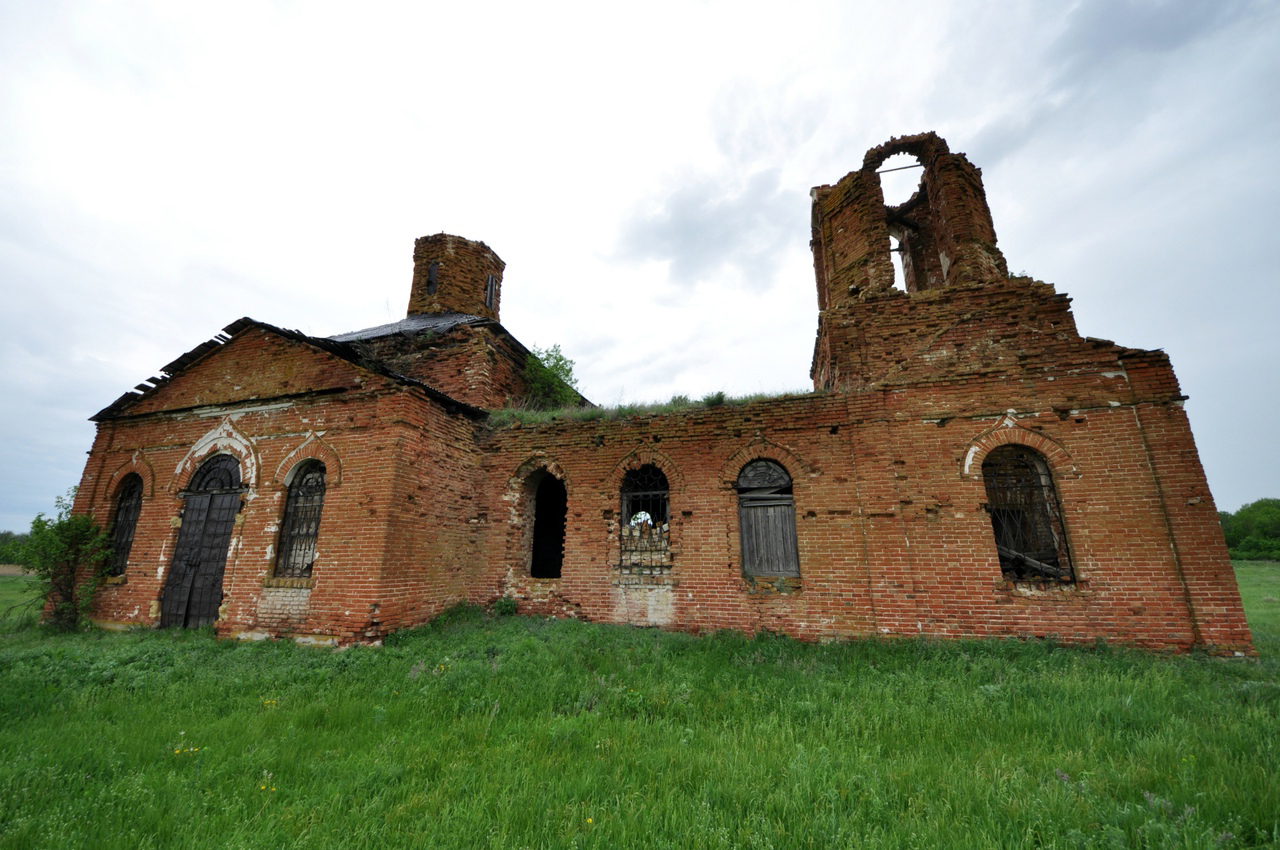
x: 900, y: 184
x: 900, y: 177
x: 899, y: 277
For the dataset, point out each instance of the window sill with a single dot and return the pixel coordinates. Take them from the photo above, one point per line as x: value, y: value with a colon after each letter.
x: 773, y: 584
x: 297, y: 583
x: 634, y: 578
x: 1042, y: 588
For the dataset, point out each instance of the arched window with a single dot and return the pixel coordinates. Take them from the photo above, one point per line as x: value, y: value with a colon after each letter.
x: 1025, y: 516
x: 646, y: 528
x: 767, y: 521
x: 125, y: 521
x: 297, y: 550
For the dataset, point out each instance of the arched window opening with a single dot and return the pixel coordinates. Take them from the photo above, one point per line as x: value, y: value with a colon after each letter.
x: 767, y: 521
x: 297, y: 549
x: 1025, y: 516
x: 193, y: 589
x: 220, y: 472
x: 550, y: 506
x: 900, y: 177
x: 125, y: 522
x: 645, y: 534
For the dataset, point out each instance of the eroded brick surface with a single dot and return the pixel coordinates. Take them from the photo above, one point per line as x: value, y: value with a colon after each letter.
x: 427, y: 506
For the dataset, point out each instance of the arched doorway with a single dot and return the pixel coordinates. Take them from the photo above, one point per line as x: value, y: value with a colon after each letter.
x: 550, y: 505
x: 193, y: 590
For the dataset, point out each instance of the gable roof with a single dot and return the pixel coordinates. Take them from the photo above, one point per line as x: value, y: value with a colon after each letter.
x: 340, y: 348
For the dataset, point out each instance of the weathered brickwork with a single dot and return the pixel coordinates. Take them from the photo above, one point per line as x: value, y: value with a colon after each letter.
x: 480, y: 364
x: 427, y: 505
x: 446, y: 271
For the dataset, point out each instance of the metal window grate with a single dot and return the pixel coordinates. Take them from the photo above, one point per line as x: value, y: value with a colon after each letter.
x: 646, y: 528
x: 125, y: 522
x: 1025, y: 516
x: 301, y: 523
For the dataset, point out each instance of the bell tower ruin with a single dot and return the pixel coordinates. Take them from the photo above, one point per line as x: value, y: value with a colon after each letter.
x: 946, y: 240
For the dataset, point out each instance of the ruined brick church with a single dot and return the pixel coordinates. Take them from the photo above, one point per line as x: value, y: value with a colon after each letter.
x: 967, y: 465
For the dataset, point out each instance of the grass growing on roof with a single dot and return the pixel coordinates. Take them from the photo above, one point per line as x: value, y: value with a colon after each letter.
x: 485, y: 731
x: 506, y: 417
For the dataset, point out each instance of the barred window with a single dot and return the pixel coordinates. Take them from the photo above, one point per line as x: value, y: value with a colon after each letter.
x: 1025, y: 516
x: 646, y: 527
x: 301, y: 523
x: 767, y: 521
x: 125, y: 522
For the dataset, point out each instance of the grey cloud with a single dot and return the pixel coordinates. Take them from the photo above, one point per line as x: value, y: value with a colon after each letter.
x: 1115, y: 60
x: 704, y: 230
x: 754, y: 126
x: 1101, y: 32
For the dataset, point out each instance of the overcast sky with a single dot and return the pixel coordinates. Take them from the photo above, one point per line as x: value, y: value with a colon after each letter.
x: 644, y: 170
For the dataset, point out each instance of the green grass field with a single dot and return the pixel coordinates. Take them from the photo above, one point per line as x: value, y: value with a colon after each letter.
x: 511, y: 732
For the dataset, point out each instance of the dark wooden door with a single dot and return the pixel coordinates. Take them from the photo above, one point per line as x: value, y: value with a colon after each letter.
x: 193, y: 591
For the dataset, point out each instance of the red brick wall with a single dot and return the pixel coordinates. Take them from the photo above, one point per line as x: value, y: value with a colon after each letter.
x: 426, y: 508
x: 361, y: 435
x: 462, y: 269
x: 476, y: 364
x: 421, y: 511
x: 892, y: 534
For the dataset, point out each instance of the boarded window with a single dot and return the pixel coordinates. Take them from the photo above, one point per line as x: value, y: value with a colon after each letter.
x: 1025, y: 516
x: 767, y: 521
x: 645, y: 534
x: 125, y: 522
x: 490, y: 291
x: 297, y: 552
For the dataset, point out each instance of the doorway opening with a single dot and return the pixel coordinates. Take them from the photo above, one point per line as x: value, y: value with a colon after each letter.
x: 550, y: 506
x: 193, y: 589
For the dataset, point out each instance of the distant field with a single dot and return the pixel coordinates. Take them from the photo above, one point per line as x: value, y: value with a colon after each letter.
x: 510, y: 732
x: 1260, y: 589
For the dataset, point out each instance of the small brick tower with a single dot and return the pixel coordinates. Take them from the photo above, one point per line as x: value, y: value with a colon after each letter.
x: 946, y: 240
x: 455, y: 275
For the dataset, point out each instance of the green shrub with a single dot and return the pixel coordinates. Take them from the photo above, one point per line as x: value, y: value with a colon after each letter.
x: 548, y: 375
x: 68, y: 556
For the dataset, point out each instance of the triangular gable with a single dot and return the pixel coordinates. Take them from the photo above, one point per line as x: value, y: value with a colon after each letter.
x: 255, y: 361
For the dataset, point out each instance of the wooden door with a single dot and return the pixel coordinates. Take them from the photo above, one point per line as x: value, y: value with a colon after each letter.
x: 193, y: 590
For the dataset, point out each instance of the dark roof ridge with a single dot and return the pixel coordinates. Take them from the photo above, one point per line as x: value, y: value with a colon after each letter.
x: 412, y: 324
x: 342, y: 350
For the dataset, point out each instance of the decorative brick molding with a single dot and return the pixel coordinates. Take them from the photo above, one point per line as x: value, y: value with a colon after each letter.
x: 1009, y: 431
x: 225, y: 438
x: 312, y: 448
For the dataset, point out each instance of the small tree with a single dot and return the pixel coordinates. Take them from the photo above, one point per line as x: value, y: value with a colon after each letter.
x: 68, y: 555
x: 548, y: 375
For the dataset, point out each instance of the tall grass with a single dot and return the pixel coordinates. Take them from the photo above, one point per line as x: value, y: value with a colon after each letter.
x: 482, y: 731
